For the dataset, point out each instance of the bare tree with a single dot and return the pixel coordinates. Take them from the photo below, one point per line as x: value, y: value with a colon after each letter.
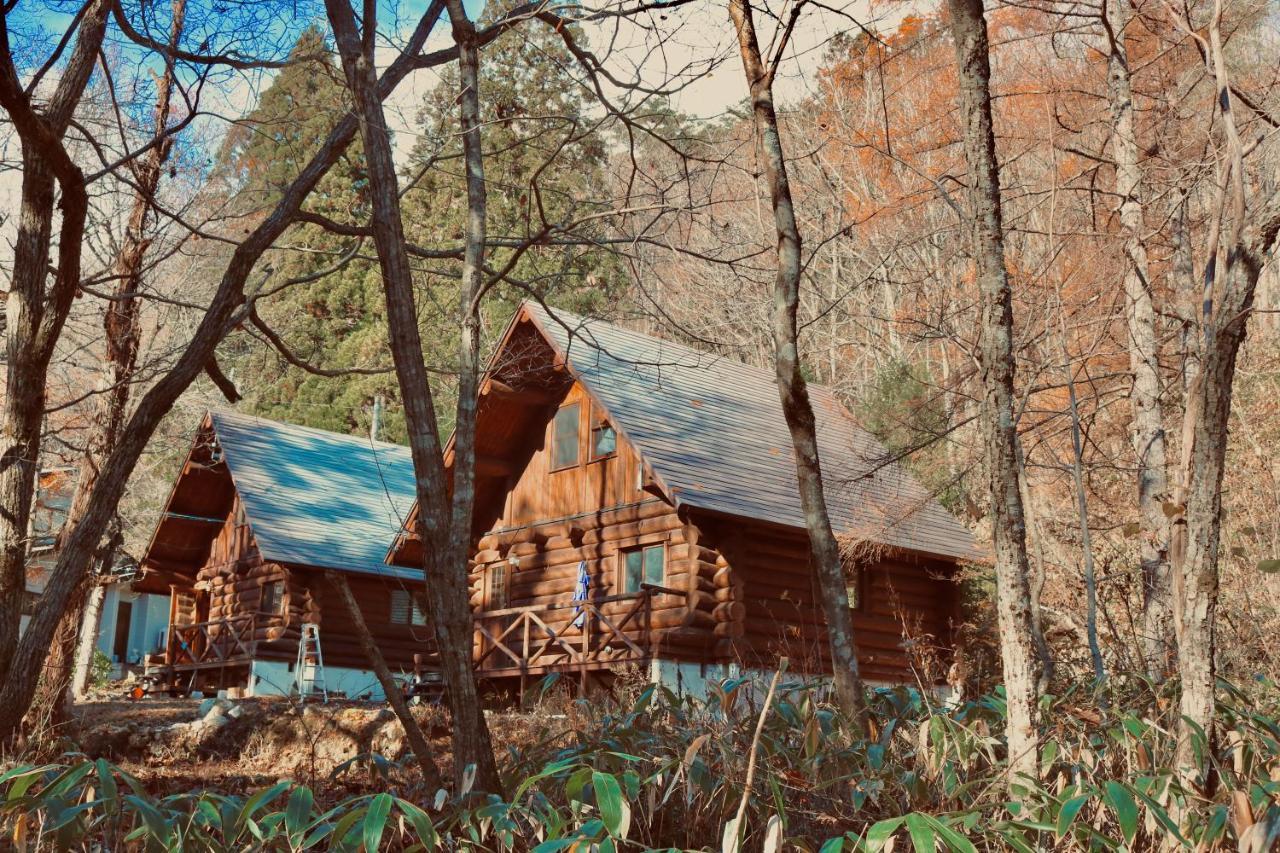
x: 121, y: 325
x: 1000, y: 437
x: 230, y: 305
x: 444, y: 514
x: 37, y: 308
x: 1145, y: 401
x: 792, y: 389
x: 1240, y: 237
x: 418, y: 742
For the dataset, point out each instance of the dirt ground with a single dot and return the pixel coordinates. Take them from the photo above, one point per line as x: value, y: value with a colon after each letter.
x: 236, y: 746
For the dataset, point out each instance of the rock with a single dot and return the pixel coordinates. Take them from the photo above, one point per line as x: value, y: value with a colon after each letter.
x: 211, y: 708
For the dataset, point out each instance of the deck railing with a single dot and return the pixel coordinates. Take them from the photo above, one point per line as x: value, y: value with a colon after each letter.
x: 212, y: 643
x: 566, y: 636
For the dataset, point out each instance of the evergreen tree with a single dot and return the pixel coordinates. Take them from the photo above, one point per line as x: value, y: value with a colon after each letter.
x: 538, y: 134
x: 336, y: 320
x: 545, y: 162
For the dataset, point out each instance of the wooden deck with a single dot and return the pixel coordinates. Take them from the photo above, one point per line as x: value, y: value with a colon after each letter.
x: 569, y: 636
x: 215, y: 643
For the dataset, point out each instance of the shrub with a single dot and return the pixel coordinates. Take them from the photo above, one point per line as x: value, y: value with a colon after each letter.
x: 100, y: 669
x: 663, y: 773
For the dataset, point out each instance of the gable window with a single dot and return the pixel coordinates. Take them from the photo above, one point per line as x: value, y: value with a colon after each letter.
x: 272, y: 598
x: 604, y: 438
x: 645, y: 564
x: 496, y: 586
x: 564, y: 437
x: 405, y: 610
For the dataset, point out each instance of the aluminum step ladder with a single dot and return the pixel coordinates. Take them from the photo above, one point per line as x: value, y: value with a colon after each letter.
x: 308, y: 670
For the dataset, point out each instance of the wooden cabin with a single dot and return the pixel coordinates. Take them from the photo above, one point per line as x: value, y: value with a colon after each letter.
x: 637, y: 505
x: 260, y: 513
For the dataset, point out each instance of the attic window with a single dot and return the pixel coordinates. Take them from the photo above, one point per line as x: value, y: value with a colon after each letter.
x: 405, y: 610
x: 604, y: 438
x: 564, y: 437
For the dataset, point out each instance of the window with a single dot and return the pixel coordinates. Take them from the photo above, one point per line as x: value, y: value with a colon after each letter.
x: 604, y: 438
x: 272, y: 598
x: 643, y: 565
x: 564, y: 437
x: 496, y: 586
x: 405, y: 610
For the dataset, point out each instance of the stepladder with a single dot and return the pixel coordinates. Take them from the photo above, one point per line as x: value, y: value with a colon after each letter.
x: 308, y: 670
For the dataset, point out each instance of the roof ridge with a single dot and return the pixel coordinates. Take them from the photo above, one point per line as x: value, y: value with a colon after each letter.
x: 362, y: 440
x: 763, y: 372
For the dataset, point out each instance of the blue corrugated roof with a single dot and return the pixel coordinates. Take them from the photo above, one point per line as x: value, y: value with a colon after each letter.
x: 713, y: 431
x: 318, y: 498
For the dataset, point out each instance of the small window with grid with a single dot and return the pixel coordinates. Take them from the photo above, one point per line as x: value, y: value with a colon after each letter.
x: 496, y: 586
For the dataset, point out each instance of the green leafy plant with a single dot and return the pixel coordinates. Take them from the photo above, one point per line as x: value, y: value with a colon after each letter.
x: 663, y: 772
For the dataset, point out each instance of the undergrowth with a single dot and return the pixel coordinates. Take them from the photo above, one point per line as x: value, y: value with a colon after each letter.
x: 660, y: 772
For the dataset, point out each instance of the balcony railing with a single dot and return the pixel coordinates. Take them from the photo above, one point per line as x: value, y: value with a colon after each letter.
x: 213, y: 643
x: 566, y: 636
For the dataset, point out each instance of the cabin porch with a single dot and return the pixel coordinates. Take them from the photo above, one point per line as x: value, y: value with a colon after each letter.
x: 573, y: 637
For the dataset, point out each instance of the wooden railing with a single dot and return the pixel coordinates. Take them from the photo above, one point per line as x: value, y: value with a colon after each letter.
x: 212, y: 643
x: 591, y: 635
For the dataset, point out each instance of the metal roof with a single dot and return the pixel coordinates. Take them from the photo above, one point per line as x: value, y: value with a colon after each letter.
x: 713, y: 431
x: 318, y: 498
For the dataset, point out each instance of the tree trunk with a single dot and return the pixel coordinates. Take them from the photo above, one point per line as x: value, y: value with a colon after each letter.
x: 445, y: 564
x: 226, y: 310
x: 122, y: 336
x: 1246, y: 238
x: 83, y: 668
x: 390, y: 687
x: 792, y: 389
x: 1148, y: 412
x: 35, y: 314
x: 1013, y: 593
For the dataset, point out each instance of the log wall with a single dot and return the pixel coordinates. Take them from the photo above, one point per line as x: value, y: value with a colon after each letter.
x: 546, y: 572
x: 539, y: 493
x: 232, y: 579
x: 904, y: 601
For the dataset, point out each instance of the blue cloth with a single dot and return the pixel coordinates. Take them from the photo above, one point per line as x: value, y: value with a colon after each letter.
x: 580, y: 594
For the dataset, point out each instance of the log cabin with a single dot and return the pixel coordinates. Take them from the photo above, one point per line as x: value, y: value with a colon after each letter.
x: 637, y: 505
x: 260, y: 512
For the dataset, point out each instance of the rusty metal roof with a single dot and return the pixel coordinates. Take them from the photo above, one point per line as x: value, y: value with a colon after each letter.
x: 713, y: 431
x: 318, y: 498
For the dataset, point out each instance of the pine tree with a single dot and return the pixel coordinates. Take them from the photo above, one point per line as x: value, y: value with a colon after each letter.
x: 336, y: 321
x: 537, y: 131
x: 545, y: 161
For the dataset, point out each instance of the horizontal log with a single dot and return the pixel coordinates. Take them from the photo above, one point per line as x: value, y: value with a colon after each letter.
x: 724, y: 576
x: 559, y: 557
x: 704, y: 568
x: 732, y: 630
x: 679, y: 579
x: 585, y: 522
x: 730, y: 611
x: 630, y: 530
x: 688, y: 551
x: 732, y: 593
